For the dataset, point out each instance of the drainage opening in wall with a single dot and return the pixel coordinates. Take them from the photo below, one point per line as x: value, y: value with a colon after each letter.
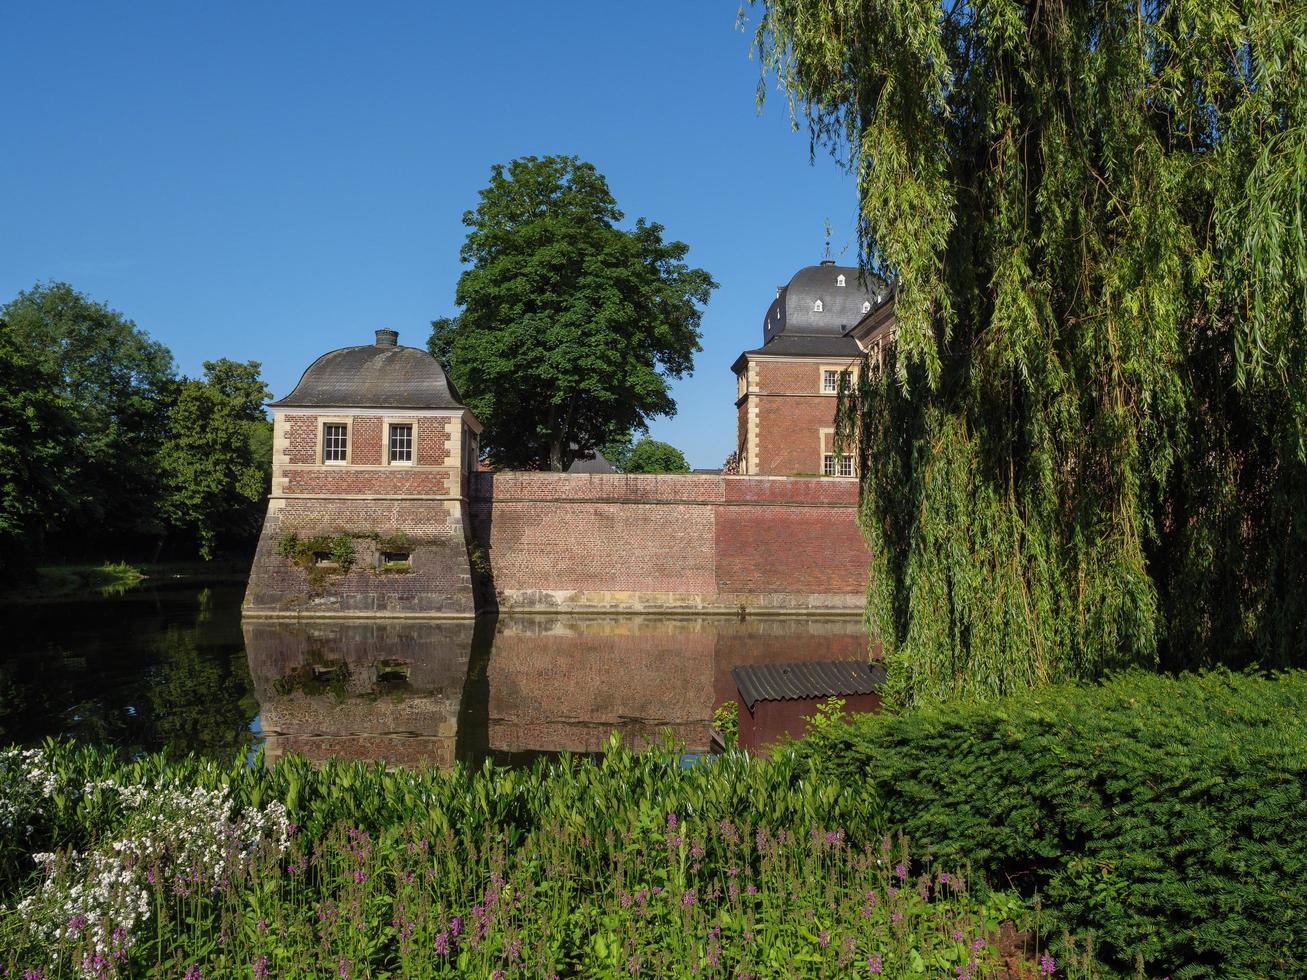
x: 395, y: 561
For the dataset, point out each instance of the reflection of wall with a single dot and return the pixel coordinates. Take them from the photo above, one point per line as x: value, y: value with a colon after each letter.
x: 597, y: 542
x: 360, y: 690
x: 565, y: 683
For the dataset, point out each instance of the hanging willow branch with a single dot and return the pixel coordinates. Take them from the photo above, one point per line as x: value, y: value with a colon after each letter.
x: 1087, y: 448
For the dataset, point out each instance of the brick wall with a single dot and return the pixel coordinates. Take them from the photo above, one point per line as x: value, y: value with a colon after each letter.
x: 789, y: 429
x: 433, y: 442
x: 365, y: 434
x: 399, y: 480
x: 302, y: 440
x: 599, y: 541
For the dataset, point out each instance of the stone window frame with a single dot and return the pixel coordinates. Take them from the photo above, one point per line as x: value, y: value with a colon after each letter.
x: 835, y: 369
x: 323, y: 422
x: 387, y: 423
x: 838, y: 466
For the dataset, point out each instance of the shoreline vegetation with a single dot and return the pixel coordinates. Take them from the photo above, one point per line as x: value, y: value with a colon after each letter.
x: 53, y: 583
x: 1145, y: 826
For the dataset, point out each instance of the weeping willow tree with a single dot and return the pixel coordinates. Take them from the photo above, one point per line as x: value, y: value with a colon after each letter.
x: 1086, y: 447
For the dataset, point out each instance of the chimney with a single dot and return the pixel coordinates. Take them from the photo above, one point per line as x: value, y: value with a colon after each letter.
x: 387, y: 338
x: 827, y: 261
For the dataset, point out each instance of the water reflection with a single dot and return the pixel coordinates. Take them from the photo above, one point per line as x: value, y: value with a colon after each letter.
x: 360, y: 690
x: 513, y: 688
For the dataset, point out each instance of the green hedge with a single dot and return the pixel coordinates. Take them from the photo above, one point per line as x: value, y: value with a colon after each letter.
x: 1166, y: 816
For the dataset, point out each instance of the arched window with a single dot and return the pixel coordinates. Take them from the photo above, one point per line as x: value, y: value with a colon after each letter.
x: 839, y: 281
x: 866, y: 307
x: 816, y: 307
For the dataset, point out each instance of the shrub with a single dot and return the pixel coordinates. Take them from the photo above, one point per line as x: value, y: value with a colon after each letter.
x: 1167, y: 816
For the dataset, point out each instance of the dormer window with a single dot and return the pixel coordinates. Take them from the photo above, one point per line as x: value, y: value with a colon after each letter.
x: 866, y: 307
x: 839, y: 281
x: 816, y: 307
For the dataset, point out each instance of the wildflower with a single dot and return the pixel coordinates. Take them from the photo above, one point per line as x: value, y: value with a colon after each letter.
x: 978, y: 944
x: 874, y: 963
x: 1047, y: 965
x: 688, y: 899
x: 752, y: 889
x: 896, y: 917
x: 823, y: 938
x: 900, y: 870
x: 442, y: 943
x: 261, y: 925
x: 497, y: 975
x: 343, y: 968
x: 261, y: 968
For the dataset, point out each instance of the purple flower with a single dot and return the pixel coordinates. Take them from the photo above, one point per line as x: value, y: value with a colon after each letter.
x: 978, y: 944
x: 688, y: 899
x: 1047, y: 965
x: 456, y: 926
x: 343, y: 967
x: 900, y: 870
x: 261, y: 968
x: 442, y: 943
x: 823, y: 938
x: 192, y: 973
x: 873, y: 963
x: 261, y: 925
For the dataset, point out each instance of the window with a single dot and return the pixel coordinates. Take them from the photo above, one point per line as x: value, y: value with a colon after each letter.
x: 816, y: 307
x: 839, y: 281
x: 401, y: 443
x: 335, y: 442
x: 830, y: 381
x: 832, y: 466
x: 866, y: 307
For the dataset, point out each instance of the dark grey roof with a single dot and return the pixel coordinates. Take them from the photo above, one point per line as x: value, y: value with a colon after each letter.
x: 805, y: 345
x: 380, y: 375
x: 794, y: 308
x: 790, y: 682
x: 597, y: 463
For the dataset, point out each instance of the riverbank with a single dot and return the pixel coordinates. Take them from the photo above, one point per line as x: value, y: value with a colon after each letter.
x: 57, y: 583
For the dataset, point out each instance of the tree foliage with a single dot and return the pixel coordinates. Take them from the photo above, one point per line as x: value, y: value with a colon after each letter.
x: 217, y: 459
x: 115, y: 383
x: 651, y: 456
x: 36, y: 429
x: 1088, y: 447
x: 570, y: 326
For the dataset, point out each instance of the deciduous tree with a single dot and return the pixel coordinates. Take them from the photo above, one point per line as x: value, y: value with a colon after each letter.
x: 216, y: 460
x: 570, y: 326
x: 651, y: 456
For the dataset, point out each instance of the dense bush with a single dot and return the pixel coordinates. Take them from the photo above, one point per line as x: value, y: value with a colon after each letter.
x: 634, y: 865
x: 1166, y: 816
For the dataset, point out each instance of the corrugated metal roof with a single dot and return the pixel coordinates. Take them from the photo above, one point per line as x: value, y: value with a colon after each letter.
x: 789, y: 682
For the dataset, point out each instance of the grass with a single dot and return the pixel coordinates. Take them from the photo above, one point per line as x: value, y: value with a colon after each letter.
x: 74, y: 581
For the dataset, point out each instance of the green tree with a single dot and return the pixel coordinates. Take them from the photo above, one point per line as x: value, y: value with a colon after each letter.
x: 651, y: 456
x: 217, y: 459
x: 36, y: 435
x: 116, y: 383
x: 570, y: 326
x: 1088, y: 448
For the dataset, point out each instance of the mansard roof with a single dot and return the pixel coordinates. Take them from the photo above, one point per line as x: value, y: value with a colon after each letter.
x: 813, y: 301
x: 378, y: 375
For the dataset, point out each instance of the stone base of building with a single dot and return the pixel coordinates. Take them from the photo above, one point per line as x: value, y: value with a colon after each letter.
x: 437, y: 583
x: 542, y: 601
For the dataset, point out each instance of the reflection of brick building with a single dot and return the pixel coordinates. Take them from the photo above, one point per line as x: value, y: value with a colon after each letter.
x: 819, y: 325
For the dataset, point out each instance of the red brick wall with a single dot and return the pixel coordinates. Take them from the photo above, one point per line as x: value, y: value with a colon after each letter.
x: 787, y: 433
x: 347, y: 479
x: 433, y: 442
x: 709, y: 536
x: 302, y: 446
x: 365, y: 434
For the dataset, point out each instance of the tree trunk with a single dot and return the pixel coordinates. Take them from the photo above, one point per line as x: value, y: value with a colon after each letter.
x: 556, y: 454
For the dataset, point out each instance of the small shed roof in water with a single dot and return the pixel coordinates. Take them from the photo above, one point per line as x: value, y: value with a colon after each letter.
x: 792, y: 682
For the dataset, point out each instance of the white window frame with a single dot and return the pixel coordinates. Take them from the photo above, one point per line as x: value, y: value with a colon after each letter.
x: 816, y: 307
x: 837, y: 465
x: 830, y: 381
x: 328, y: 447
x: 840, y: 281
x: 390, y: 443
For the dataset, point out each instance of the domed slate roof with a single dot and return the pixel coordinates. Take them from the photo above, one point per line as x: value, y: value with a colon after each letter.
x: 378, y: 375
x: 795, y: 309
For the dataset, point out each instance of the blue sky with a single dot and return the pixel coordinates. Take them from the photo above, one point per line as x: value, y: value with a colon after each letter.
x: 268, y: 181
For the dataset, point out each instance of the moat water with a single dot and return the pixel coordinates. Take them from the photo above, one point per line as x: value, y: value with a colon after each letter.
x: 170, y: 665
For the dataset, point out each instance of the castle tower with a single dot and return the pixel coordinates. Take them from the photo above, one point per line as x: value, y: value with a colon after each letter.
x: 368, y: 512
